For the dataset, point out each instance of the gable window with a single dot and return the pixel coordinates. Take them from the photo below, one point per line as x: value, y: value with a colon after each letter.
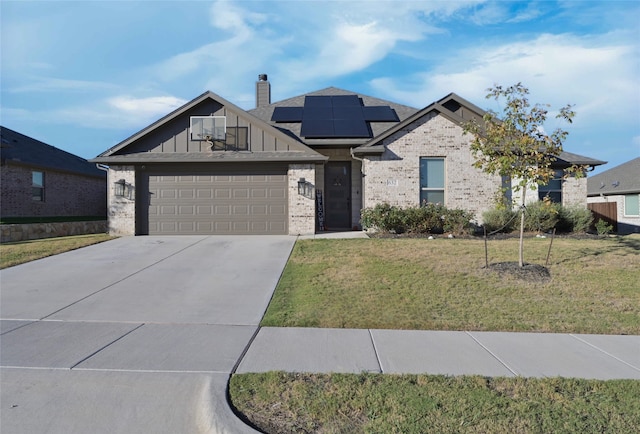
x: 632, y: 205
x: 431, y: 180
x: 553, y: 190
x: 238, y: 138
x: 207, y: 128
x: 37, y: 186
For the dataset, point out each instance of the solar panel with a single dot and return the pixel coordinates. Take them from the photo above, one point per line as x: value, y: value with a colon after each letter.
x: 287, y: 114
x: 317, y: 112
x: 350, y: 128
x: 317, y: 101
x: 317, y: 128
x: 346, y: 100
x: 380, y: 114
x: 348, y: 112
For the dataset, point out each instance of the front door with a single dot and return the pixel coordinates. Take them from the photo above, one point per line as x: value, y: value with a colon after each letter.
x: 337, y: 187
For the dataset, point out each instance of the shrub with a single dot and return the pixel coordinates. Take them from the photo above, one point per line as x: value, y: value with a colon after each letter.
x: 501, y: 220
x: 425, y: 219
x: 603, y: 227
x: 574, y: 218
x: 457, y: 221
x: 383, y: 217
x: 541, y: 216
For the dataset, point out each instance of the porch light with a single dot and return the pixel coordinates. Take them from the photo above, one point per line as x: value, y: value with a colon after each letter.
x: 305, y: 188
x: 121, y: 187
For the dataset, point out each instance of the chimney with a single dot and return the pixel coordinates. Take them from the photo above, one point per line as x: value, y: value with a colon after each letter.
x: 263, y: 91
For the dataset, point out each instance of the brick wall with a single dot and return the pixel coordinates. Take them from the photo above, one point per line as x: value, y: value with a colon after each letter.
x: 65, y: 194
x: 121, y: 210
x: 394, y: 177
x: 302, y: 209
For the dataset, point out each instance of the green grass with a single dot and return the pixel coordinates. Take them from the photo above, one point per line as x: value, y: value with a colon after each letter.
x: 24, y: 251
x: 442, y: 285
x: 278, y: 402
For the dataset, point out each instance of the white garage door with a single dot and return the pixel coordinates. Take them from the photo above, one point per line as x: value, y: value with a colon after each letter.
x: 220, y: 202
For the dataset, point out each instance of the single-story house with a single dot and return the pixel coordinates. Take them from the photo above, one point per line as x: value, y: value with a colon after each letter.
x: 305, y: 164
x: 39, y: 180
x: 614, y: 196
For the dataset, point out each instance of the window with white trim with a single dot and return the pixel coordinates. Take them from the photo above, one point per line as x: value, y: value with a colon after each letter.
x: 632, y: 205
x: 431, y: 180
x: 208, y: 128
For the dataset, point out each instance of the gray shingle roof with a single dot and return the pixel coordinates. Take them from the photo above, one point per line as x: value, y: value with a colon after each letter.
x: 622, y: 179
x: 20, y: 149
x: 265, y: 113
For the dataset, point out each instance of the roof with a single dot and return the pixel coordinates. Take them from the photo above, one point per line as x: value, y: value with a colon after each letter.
x: 622, y: 179
x: 297, y: 152
x: 459, y: 110
x: 266, y: 112
x: 17, y: 148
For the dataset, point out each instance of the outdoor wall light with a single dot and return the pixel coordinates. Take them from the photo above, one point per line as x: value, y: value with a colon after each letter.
x: 123, y: 189
x: 305, y: 188
x: 121, y: 186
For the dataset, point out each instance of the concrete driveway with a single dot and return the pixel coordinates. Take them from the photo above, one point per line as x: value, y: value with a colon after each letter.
x: 138, y: 334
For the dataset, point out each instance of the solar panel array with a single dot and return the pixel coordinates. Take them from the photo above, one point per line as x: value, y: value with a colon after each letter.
x: 337, y: 116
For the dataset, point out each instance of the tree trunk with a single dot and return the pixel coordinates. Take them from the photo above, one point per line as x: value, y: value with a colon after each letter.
x: 521, y: 245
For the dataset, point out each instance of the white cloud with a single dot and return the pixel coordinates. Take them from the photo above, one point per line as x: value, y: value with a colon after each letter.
x: 146, y: 107
x: 50, y: 84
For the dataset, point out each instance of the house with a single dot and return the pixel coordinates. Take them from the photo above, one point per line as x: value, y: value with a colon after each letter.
x: 39, y: 180
x: 614, y: 196
x: 305, y: 164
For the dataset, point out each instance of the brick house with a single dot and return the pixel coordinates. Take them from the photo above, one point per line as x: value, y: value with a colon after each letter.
x: 39, y: 180
x: 305, y: 164
x: 614, y: 196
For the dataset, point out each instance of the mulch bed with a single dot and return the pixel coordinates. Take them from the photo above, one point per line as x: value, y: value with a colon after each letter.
x: 528, y: 272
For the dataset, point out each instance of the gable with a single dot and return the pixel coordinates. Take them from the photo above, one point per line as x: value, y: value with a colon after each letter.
x: 171, y: 139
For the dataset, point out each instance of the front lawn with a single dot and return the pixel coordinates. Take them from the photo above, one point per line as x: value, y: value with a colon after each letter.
x: 442, y: 284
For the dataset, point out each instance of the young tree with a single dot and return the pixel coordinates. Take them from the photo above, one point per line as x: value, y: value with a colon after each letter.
x: 516, y: 145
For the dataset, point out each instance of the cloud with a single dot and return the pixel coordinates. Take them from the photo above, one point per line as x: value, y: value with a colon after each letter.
x: 146, y: 107
x: 50, y: 84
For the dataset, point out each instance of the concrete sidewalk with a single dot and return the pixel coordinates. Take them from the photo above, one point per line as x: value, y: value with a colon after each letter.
x: 443, y: 352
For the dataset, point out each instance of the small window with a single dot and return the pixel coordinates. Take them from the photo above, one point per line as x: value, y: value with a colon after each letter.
x: 632, y: 205
x: 37, y: 186
x: 431, y: 180
x: 208, y: 127
x: 553, y: 190
x: 238, y: 138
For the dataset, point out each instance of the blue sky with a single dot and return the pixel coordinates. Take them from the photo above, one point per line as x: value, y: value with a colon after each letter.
x: 85, y: 75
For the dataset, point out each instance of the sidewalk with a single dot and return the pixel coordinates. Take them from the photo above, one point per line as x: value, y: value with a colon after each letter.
x: 601, y: 357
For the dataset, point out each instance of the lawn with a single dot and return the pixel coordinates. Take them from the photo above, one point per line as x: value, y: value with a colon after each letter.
x: 24, y: 251
x: 443, y: 284
x: 278, y: 402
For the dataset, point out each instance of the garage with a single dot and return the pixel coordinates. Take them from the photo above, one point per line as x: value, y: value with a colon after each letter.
x: 218, y: 201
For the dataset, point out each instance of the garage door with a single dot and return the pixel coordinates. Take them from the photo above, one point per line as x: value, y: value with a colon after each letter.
x: 218, y: 202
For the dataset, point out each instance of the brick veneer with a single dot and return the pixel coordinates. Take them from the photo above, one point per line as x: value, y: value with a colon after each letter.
x: 394, y: 177
x: 66, y: 194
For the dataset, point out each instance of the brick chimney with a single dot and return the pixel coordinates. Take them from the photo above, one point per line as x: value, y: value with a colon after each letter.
x: 263, y: 91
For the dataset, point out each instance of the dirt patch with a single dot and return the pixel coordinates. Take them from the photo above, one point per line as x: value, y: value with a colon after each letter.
x: 528, y: 272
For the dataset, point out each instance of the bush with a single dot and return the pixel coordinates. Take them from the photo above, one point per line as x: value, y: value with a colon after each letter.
x: 575, y: 218
x: 501, y: 220
x: 603, y: 227
x: 429, y: 218
x: 541, y: 216
x: 383, y: 217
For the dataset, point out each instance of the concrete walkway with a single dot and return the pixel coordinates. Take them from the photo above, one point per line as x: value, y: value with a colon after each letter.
x: 141, y: 334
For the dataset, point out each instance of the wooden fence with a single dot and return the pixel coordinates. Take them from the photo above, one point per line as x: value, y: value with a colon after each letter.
x: 607, y: 211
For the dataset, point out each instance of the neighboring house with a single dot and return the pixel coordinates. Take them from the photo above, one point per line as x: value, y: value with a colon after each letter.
x: 297, y: 166
x: 614, y: 196
x: 39, y: 180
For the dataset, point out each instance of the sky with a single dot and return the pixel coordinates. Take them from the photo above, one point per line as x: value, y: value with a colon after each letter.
x: 85, y: 75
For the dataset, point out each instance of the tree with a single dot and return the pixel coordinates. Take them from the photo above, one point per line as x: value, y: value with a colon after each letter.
x: 516, y: 145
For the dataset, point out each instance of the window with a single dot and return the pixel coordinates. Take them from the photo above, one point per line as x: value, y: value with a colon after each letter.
x: 553, y: 190
x: 238, y: 138
x: 37, y: 186
x: 632, y: 205
x: 431, y: 180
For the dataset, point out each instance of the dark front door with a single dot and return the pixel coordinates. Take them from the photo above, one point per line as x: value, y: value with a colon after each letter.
x: 337, y: 200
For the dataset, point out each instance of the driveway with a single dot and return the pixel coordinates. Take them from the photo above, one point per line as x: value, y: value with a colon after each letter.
x: 138, y: 334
